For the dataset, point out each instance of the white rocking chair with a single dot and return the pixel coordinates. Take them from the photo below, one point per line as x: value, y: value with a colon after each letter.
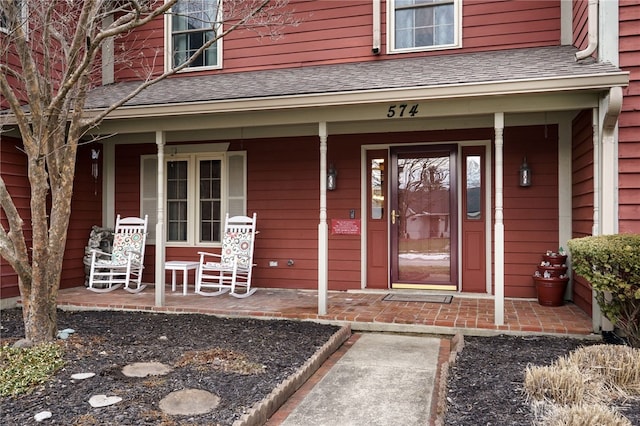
x: 125, y: 263
x: 233, y: 267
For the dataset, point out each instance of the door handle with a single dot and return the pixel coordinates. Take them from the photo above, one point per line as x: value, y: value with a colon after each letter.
x: 394, y: 215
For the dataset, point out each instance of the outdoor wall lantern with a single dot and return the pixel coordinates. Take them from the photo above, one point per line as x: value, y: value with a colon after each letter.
x: 95, y: 154
x: 525, y: 173
x: 332, y: 175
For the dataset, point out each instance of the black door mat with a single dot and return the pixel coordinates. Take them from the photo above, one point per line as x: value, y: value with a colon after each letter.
x: 424, y: 298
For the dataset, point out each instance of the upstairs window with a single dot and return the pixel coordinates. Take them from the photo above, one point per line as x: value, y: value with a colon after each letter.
x: 193, y: 23
x: 21, y: 6
x: 418, y: 25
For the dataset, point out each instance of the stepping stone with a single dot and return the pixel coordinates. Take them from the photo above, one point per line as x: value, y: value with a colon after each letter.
x: 97, y: 401
x: 189, y: 402
x: 82, y: 376
x: 43, y: 415
x: 144, y: 369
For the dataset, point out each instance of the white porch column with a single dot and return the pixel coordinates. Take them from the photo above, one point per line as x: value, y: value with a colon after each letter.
x: 323, y: 228
x: 159, y: 264
x: 498, y: 239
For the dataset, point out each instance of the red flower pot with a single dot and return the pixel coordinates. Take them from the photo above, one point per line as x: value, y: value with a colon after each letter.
x: 555, y: 259
x: 551, y: 290
x: 554, y: 271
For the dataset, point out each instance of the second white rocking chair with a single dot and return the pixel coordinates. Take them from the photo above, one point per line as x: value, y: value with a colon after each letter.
x: 124, y: 264
x: 233, y: 267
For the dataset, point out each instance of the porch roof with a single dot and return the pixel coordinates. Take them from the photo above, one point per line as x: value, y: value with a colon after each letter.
x: 551, y: 68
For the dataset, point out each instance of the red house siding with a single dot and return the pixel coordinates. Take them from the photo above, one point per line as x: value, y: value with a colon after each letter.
x: 85, y: 212
x: 13, y: 166
x: 629, y: 123
x: 492, y: 25
x: 338, y: 32
x: 580, y: 23
x: 582, y: 201
x: 530, y: 214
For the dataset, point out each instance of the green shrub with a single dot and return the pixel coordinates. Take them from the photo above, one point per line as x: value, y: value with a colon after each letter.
x: 21, y: 369
x: 611, y: 263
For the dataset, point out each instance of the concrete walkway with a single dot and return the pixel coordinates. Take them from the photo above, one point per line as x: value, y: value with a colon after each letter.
x: 382, y: 379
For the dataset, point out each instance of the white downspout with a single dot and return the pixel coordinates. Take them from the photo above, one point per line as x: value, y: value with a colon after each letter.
x: 609, y: 185
x: 592, y: 28
x: 323, y: 228
x: 498, y: 240
x: 160, y: 238
x: 596, y: 316
x: 375, y: 48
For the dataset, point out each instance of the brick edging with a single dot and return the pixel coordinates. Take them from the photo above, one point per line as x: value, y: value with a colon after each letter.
x: 260, y: 412
x: 449, y: 350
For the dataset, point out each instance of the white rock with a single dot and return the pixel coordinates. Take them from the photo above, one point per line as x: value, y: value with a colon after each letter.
x: 43, y: 415
x: 82, y: 376
x: 97, y: 401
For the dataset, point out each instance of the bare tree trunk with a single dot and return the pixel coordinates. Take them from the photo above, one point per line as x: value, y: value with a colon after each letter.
x: 57, y: 60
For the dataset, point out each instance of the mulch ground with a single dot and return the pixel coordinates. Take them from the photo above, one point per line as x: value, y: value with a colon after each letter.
x: 485, y: 384
x: 104, y: 342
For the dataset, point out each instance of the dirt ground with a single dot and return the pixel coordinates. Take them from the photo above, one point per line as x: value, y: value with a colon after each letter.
x: 254, y: 356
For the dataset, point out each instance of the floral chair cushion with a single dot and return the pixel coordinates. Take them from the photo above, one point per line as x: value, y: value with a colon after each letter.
x: 123, y: 244
x: 236, y: 244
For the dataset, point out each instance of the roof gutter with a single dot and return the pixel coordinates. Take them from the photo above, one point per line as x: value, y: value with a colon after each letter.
x: 592, y: 28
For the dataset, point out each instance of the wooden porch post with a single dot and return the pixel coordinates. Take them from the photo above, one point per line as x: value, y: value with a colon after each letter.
x: 159, y: 263
x: 323, y: 229
x: 498, y: 239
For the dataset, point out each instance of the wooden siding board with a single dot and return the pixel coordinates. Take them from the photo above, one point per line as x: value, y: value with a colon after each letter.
x: 629, y: 122
x: 339, y: 32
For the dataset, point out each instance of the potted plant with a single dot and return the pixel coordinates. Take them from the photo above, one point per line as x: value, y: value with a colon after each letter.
x: 551, y: 278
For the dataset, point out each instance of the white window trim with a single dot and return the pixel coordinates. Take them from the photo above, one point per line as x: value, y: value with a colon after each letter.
x: 193, y: 211
x: 168, y: 43
x: 391, y: 31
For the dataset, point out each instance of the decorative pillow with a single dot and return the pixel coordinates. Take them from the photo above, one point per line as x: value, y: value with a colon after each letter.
x: 236, y: 244
x: 123, y: 244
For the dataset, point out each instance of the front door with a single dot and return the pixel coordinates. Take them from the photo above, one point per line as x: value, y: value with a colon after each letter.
x: 423, y: 218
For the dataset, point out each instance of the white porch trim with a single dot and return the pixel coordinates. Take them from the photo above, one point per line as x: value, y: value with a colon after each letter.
x: 160, y: 237
x: 323, y: 228
x: 499, y: 225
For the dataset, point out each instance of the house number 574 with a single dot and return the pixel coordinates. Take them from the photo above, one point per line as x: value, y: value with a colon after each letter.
x: 402, y: 110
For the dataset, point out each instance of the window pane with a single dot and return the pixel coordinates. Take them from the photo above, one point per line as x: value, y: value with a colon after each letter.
x: 210, y: 199
x: 473, y: 187
x: 191, y: 27
x: 177, y: 186
x: 421, y: 23
x: 377, y: 185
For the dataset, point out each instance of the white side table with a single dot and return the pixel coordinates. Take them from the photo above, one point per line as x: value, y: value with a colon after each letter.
x: 180, y: 265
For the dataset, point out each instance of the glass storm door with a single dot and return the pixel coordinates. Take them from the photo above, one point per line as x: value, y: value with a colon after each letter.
x: 423, y: 218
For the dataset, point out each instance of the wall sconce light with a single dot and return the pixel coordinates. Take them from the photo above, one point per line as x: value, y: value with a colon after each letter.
x: 525, y: 173
x: 332, y: 175
x: 95, y: 154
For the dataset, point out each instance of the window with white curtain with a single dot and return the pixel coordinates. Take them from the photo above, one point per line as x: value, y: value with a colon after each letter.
x: 192, y: 24
x: 424, y: 24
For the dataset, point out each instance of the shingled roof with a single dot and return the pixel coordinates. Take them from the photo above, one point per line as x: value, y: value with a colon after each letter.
x: 442, y: 70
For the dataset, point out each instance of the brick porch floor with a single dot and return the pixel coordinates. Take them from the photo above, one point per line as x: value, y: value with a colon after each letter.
x: 363, y: 310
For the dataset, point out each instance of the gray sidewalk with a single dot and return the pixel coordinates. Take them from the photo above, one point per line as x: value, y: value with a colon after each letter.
x: 383, y: 379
